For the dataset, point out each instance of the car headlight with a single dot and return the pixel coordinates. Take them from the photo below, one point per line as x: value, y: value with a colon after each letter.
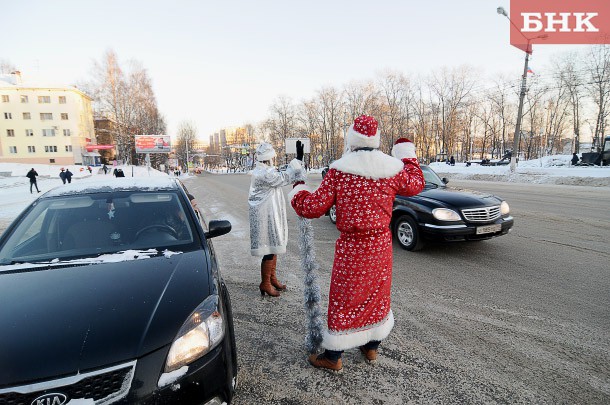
x: 199, y: 334
x: 444, y: 214
x: 504, y: 210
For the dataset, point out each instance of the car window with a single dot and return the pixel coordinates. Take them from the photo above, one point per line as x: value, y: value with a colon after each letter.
x: 431, y: 177
x: 77, y: 226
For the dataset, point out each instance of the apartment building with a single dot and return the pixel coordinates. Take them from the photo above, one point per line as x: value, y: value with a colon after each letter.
x: 44, y: 124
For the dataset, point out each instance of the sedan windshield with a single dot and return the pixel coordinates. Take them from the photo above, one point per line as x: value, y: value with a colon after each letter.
x: 72, y: 226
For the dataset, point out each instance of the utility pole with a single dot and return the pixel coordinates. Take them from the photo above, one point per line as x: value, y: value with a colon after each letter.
x: 528, y: 51
x: 516, y: 139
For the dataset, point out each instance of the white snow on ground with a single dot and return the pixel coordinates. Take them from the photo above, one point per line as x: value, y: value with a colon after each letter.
x: 547, y: 170
x: 15, y: 187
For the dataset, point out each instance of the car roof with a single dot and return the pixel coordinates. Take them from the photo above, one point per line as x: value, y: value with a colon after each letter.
x: 96, y: 185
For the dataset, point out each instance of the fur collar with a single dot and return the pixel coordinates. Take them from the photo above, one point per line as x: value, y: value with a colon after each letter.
x: 371, y: 164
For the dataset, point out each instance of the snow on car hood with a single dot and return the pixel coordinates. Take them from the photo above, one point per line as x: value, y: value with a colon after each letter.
x: 59, y: 320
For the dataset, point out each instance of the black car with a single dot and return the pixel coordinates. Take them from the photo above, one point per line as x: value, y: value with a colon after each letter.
x: 110, y: 293
x: 440, y: 213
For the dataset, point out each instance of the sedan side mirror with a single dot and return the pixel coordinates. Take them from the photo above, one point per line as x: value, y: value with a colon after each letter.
x: 445, y: 180
x: 218, y: 228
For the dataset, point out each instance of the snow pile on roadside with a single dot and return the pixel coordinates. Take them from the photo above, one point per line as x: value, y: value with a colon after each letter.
x: 555, y: 169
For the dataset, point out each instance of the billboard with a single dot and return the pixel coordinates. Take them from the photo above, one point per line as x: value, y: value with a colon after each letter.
x: 153, y: 144
x: 291, y: 145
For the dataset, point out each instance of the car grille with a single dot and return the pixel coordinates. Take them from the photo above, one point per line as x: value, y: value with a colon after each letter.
x: 484, y: 214
x: 103, y: 386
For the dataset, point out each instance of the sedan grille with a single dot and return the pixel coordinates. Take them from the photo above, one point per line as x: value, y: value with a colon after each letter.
x: 485, y: 214
x: 103, y: 387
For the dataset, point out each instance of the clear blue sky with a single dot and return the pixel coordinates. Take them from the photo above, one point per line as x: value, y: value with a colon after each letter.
x: 223, y: 63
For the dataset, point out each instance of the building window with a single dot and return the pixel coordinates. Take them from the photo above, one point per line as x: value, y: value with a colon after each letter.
x: 29, y: 132
x: 64, y: 116
x: 50, y: 149
x: 24, y: 99
x: 46, y: 116
x: 10, y: 132
x: 5, y: 98
x: 48, y: 132
x: 51, y: 160
x: 62, y: 99
x: 12, y: 149
x: 31, y: 149
x: 44, y: 99
x: 66, y: 132
x: 68, y: 148
x: 27, y: 116
x: 8, y: 116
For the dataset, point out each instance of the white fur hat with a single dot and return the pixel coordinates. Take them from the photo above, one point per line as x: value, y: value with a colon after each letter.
x: 363, y: 133
x: 265, y: 152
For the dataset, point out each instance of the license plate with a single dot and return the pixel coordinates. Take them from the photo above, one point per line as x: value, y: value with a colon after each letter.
x: 489, y: 229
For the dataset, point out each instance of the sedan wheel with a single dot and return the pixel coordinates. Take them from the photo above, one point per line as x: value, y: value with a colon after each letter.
x: 407, y: 233
x: 332, y: 214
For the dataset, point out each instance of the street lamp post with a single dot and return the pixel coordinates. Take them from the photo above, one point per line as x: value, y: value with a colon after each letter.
x: 528, y: 51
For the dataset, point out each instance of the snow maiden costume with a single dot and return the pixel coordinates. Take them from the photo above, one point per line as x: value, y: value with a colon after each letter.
x: 267, y: 212
x: 362, y: 186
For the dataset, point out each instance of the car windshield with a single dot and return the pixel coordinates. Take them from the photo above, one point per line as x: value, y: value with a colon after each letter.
x: 74, y: 226
x: 432, y: 179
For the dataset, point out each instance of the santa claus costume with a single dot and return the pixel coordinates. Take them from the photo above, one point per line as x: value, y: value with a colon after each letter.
x: 362, y: 186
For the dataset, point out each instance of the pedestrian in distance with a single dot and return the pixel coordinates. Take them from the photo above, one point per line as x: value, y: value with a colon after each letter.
x: 362, y: 186
x: 452, y: 161
x: 574, y: 159
x: 267, y: 213
x: 105, y: 169
x: 68, y: 176
x: 32, y: 174
x: 62, y: 175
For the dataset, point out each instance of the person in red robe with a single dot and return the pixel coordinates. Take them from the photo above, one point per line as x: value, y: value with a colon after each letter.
x: 362, y: 186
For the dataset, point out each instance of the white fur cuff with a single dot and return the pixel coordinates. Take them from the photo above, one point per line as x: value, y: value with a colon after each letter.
x: 404, y: 150
x: 296, y: 164
x: 298, y: 188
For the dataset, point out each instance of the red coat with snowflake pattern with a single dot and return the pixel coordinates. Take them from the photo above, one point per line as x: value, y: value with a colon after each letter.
x: 362, y: 186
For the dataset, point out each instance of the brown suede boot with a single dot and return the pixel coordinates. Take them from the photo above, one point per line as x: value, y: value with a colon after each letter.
x: 369, y: 354
x: 319, y: 361
x: 274, y: 281
x: 265, y: 286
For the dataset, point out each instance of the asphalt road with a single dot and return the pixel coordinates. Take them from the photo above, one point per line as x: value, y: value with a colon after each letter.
x: 518, y: 319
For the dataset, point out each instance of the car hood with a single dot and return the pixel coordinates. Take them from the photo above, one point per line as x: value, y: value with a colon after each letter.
x: 63, y: 320
x: 449, y: 197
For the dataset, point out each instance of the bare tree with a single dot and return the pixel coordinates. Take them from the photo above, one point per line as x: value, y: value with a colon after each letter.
x: 128, y: 100
x: 598, y: 61
x: 566, y: 69
x: 6, y: 67
x: 186, y: 135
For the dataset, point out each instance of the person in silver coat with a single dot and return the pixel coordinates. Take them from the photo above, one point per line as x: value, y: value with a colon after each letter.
x: 267, y: 212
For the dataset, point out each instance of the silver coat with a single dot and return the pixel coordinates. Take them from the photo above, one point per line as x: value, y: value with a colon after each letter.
x: 267, y: 208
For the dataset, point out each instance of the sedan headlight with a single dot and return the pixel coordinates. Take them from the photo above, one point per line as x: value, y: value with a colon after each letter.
x: 444, y: 214
x: 201, y: 332
x: 504, y: 210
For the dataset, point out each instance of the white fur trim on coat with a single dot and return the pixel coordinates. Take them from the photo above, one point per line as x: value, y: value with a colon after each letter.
x: 404, y: 150
x: 372, y: 164
x: 354, y: 338
x: 357, y: 140
x: 298, y: 188
x: 296, y: 164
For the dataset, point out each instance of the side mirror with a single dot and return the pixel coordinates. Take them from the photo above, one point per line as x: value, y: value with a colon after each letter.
x: 445, y: 180
x: 218, y: 228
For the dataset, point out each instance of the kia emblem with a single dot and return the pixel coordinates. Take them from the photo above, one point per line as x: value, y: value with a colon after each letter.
x: 53, y: 398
